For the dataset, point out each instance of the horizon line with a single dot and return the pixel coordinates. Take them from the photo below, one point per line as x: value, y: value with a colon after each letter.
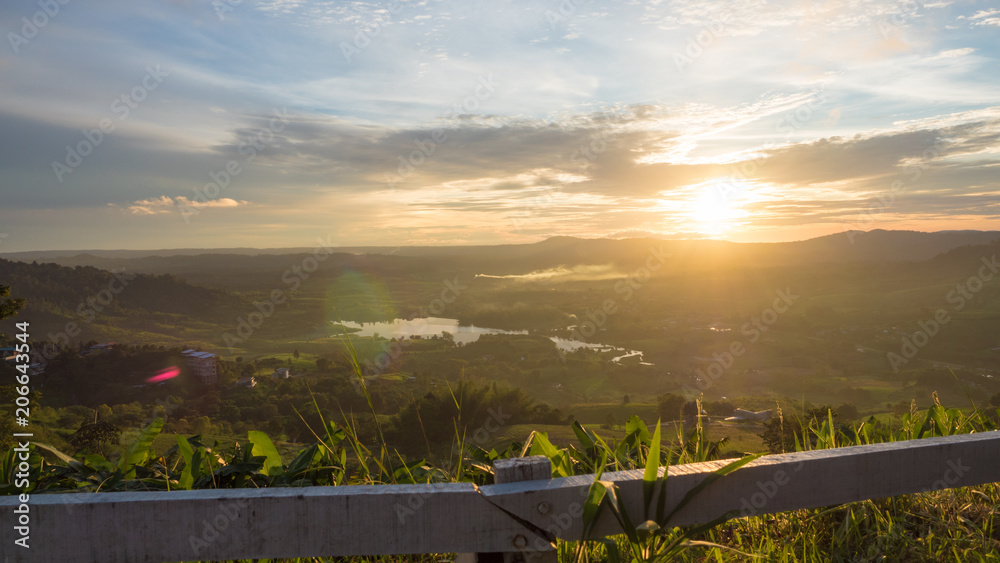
x: 542, y: 240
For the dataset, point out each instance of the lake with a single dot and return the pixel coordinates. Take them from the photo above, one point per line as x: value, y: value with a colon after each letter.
x: 429, y: 326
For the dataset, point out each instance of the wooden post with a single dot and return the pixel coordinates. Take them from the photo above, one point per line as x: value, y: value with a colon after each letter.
x: 512, y: 470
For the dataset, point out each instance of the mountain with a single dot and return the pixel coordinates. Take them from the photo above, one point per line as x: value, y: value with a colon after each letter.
x: 852, y: 246
x: 106, y: 305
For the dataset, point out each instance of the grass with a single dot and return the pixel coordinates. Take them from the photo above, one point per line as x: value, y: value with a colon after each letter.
x: 953, y: 525
x: 960, y: 525
x: 950, y: 525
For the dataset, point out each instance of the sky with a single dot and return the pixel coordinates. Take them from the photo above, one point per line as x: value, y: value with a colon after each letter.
x: 137, y: 124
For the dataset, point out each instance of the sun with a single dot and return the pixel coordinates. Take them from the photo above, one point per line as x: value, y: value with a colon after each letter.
x: 716, y: 207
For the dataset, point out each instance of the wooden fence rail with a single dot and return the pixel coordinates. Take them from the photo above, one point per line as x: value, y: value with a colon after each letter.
x: 512, y: 519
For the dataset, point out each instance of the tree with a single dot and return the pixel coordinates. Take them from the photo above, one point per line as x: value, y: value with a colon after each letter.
x: 295, y: 354
x: 104, y: 412
x: 847, y: 411
x: 670, y: 406
x: 9, y: 306
x: 780, y: 434
x: 95, y: 434
x: 610, y: 421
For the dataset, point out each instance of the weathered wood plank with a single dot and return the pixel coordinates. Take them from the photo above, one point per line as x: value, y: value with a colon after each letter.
x: 515, y: 469
x: 542, y: 550
x: 770, y: 484
x: 260, y: 523
x: 449, y: 518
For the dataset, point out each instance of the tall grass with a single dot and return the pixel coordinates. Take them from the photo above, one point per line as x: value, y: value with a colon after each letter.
x: 951, y: 525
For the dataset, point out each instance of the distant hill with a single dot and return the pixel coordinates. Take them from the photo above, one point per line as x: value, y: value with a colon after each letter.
x: 195, y: 298
x: 855, y: 246
x: 889, y: 246
x: 105, y: 304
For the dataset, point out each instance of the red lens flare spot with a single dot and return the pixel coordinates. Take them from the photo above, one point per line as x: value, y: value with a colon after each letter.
x: 164, y: 375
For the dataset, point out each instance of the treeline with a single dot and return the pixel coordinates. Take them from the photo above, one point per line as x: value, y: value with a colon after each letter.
x: 471, y: 413
x: 85, y: 399
x: 98, y: 301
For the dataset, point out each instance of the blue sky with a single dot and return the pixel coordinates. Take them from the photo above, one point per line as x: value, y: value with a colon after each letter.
x: 395, y: 122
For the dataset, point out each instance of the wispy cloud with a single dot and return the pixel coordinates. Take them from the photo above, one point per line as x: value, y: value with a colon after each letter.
x: 564, y: 273
x: 165, y: 204
x: 593, y: 129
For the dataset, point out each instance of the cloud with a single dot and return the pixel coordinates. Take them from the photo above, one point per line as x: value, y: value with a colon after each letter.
x: 592, y: 128
x: 166, y: 204
x: 952, y: 53
x: 986, y: 18
x: 576, y: 273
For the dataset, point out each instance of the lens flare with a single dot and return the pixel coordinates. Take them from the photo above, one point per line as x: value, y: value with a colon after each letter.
x: 164, y: 375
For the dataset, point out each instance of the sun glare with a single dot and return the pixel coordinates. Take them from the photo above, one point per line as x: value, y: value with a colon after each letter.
x: 717, y: 207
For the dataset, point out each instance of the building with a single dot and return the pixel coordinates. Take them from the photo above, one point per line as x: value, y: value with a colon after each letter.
x: 204, y: 365
x: 97, y: 348
x: 743, y: 415
x: 281, y: 373
x: 246, y: 382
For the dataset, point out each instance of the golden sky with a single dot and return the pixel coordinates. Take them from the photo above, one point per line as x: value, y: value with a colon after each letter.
x: 268, y: 123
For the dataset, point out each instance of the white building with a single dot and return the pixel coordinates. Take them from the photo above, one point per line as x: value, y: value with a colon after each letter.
x: 204, y: 365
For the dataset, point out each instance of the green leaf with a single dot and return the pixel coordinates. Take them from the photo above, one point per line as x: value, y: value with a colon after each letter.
x: 617, y: 506
x: 305, y: 459
x: 592, y: 506
x: 711, y: 478
x: 650, y: 477
x: 542, y: 446
x: 263, y: 446
x: 192, y: 467
x: 62, y: 457
x: 586, y: 440
x: 636, y: 431
x: 562, y: 465
x: 138, y: 452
